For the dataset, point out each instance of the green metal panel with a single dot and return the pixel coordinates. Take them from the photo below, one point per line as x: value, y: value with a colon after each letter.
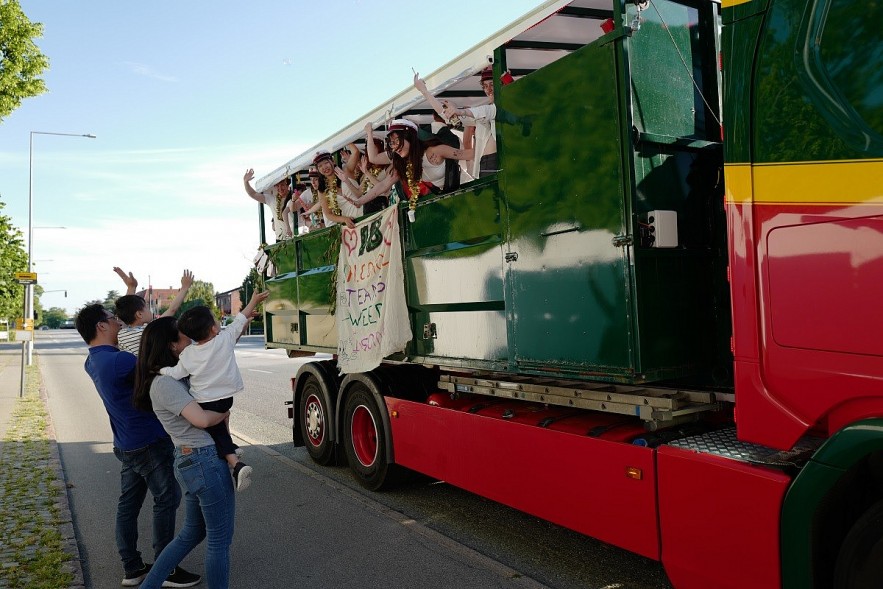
x: 668, y: 59
x: 453, y: 267
x: 302, y: 290
x: 681, y: 296
x: 817, y: 97
x: 568, y: 292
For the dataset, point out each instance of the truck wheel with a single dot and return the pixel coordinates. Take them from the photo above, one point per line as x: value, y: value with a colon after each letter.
x: 314, y: 424
x: 365, y: 441
x: 860, y: 562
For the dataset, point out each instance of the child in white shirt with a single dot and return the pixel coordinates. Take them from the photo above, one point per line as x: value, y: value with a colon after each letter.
x: 214, y: 375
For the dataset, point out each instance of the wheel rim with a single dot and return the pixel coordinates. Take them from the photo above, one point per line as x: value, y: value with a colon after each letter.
x: 314, y: 421
x: 364, y: 436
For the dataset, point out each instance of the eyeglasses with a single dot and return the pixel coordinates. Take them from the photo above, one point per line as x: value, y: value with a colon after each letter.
x: 108, y: 319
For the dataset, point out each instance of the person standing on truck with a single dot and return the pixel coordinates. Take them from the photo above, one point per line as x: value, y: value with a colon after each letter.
x: 209, y: 500
x: 311, y: 197
x: 481, y: 132
x: 140, y: 443
x: 335, y: 198
x: 300, y: 203
x: 420, y: 166
x: 278, y: 203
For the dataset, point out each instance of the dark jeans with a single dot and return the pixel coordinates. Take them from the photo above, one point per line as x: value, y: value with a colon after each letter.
x: 219, y: 432
x: 150, y: 467
x: 209, y: 510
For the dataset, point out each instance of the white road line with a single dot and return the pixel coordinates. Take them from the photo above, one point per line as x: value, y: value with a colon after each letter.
x: 256, y: 370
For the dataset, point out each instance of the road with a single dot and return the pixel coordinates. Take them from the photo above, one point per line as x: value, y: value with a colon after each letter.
x: 300, y: 523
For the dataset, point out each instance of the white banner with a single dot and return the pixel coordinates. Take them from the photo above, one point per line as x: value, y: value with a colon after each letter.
x: 371, y: 314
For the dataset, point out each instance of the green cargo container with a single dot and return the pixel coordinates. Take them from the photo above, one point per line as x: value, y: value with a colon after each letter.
x: 550, y: 267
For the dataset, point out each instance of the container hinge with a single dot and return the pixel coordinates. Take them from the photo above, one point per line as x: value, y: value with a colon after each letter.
x: 622, y: 240
x: 511, y: 256
x: 430, y: 331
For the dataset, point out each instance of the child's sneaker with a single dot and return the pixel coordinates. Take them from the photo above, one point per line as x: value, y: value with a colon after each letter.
x: 242, y: 476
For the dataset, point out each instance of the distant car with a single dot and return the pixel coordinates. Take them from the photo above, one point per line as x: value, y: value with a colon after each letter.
x: 67, y: 324
x: 43, y: 327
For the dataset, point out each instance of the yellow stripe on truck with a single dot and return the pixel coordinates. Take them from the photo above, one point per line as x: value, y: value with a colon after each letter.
x: 731, y: 3
x: 812, y: 183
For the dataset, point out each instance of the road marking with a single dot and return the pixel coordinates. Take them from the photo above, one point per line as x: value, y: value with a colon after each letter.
x: 518, y: 579
x: 256, y: 370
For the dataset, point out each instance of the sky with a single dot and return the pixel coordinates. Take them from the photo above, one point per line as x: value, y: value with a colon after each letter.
x: 183, y: 97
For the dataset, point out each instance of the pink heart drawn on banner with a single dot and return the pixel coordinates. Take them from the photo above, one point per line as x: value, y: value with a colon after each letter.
x: 350, y: 239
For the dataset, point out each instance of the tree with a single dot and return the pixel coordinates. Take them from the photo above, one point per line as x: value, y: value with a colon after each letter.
x: 110, y: 300
x: 252, y: 282
x: 21, y: 62
x: 200, y: 293
x: 53, y: 317
x: 13, y: 258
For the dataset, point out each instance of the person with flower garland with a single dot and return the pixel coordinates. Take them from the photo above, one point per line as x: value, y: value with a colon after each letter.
x: 310, y: 197
x: 335, y: 197
x: 418, y: 165
x: 278, y: 203
x: 371, y: 175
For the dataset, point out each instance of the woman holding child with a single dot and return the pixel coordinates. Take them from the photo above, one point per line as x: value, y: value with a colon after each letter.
x: 209, y: 503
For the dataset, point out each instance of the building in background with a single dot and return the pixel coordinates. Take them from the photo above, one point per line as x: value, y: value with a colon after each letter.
x: 229, y: 303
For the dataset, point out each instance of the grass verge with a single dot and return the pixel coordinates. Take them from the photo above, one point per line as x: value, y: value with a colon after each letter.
x: 31, y: 553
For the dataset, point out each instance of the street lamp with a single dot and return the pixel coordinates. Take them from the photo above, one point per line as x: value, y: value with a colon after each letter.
x: 29, y: 298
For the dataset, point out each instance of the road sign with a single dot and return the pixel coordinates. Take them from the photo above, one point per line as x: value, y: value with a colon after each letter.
x: 27, y: 324
x: 26, y: 277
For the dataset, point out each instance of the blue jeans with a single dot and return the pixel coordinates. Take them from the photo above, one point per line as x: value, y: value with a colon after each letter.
x: 209, y: 509
x: 146, y: 468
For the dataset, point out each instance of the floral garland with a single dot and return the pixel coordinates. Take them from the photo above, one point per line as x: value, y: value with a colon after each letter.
x: 366, y: 183
x: 413, y: 187
x: 331, y: 195
x: 279, y: 206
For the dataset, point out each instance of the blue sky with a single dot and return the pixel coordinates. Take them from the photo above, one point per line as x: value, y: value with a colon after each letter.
x: 183, y: 98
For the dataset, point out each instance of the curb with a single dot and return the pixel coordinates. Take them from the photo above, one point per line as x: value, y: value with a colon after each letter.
x: 70, y: 545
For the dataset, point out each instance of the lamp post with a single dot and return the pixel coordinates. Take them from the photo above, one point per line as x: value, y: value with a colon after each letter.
x: 29, y: 298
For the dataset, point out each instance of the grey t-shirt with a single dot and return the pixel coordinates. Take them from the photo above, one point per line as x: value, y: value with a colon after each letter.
x: 169, y: 397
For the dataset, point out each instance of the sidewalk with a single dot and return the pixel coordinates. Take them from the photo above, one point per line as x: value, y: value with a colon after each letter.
x: 38, y: 547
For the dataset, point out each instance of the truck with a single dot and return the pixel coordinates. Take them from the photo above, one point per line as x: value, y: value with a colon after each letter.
x: 658, y: 324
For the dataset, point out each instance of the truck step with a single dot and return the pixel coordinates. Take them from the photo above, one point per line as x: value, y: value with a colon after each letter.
x: 723, y: 442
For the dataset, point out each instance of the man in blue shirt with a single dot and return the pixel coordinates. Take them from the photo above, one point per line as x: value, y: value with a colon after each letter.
x: 139, y: 442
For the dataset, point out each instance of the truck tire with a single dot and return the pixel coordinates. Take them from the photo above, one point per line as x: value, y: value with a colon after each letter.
x: 314, y: 422
x: 860, y: 561
x: 364, y: 438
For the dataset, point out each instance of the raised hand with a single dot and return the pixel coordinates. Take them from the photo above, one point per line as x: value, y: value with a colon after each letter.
x: 128, y: 279
x: 187, y: 279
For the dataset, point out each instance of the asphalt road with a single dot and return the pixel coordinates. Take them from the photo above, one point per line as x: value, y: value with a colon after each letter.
x: 303, y: 524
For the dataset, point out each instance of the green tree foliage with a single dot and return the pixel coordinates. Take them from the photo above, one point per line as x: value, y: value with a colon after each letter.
x: 21, y: 62
x: 13, y: 258
x: 200, y: 293
x: 111, y: 299
x: 250, y: 284
x: 53, y: 317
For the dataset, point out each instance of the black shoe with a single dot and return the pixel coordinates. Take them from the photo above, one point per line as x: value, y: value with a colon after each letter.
x: 134, y: 579
x: 181, y: 578
x: 242, y: 476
